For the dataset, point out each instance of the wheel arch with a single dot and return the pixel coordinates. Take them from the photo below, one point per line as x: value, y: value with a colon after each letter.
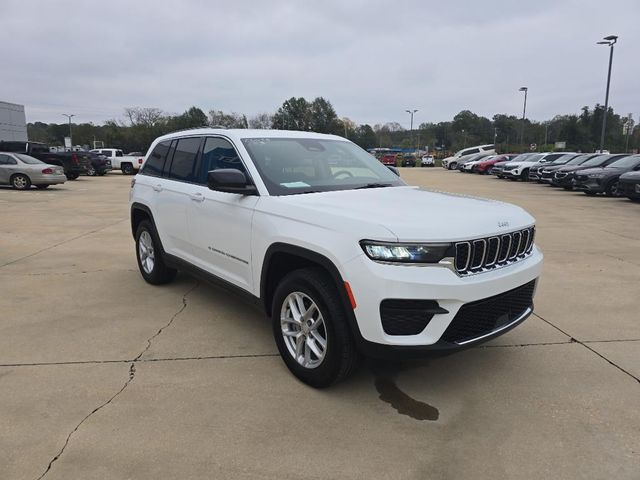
x: 140, y: 212
x: 282, y: 258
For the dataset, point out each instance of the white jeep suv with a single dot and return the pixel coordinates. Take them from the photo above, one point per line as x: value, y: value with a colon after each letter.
x: 316, y: 231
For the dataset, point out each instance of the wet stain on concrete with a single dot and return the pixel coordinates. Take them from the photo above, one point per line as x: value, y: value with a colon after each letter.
x: 389, y: 392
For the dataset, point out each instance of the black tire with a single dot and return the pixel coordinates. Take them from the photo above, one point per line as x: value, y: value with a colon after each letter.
x: 612, y: 189
x: 91, y: 171
x: 160, y: 273
x: 127, y: 168
x: 591, y: 194
x: 340, y: 357
x: 72, y: 176
x: 42, y: 187
x: 20, y: 181
x: 524, y: 176
x: 453, y: 166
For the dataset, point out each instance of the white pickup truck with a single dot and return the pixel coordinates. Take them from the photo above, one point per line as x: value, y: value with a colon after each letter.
x: 119, y: 161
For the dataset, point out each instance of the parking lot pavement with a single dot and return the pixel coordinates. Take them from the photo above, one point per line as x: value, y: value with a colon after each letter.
x: 104, y: 376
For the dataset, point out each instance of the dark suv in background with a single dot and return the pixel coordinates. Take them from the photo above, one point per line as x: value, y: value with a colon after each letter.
x: 564, y: 176
x: 629, y: 186
x: 605, y: 180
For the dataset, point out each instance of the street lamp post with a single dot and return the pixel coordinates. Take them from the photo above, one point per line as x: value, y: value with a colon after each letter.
x: 411, y: 112
x: 610, y: 41
x: 70, y: 137
x: 524, y: 112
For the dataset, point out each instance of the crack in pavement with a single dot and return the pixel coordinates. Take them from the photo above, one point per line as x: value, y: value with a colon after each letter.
x: 573, y: 339
x: 132, y: 373
x: 62, y: 243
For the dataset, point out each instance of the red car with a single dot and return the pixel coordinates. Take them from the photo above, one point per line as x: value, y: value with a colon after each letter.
x: 487, y: 165
x: 389, y: 159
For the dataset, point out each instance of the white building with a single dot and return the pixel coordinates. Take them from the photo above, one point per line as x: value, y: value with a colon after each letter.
x: 13, y: 123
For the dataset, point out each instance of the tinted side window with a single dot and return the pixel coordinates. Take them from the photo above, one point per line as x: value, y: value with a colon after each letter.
x: 119, y: 153
x: 184, y: 159
x: 218, y: 153
x: 155, y: 163
x: 472, y: 151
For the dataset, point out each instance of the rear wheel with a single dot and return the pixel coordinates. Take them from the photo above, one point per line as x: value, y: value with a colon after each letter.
x: 149, y: 255
x: 591, y: 194
x: 91, y: 171
x: 310, y: 328
x: 20, y: 182
x: 127, y: 168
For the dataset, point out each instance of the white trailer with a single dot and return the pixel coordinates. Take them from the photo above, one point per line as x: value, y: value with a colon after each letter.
x: 13, y: 123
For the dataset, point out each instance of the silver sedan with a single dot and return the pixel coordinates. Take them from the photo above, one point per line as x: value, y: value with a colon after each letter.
x: 21, y: 171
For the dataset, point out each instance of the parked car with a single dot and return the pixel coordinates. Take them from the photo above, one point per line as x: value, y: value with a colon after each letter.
x: 427, y: 161
x: 73, y: 163
x: 119, y: 161
x: 389, y: 159
x: 535, y: 171
x: 285, y: 218
x: 451, y: 163
x: 605, y: 180
x: 466, y: 165
x: 100, y: 165
x: 408, y: 161
x: 629, y: 185
x: 485, y: 165
x: 564, y: 176
x: 498, y: 168
x: 21, y: 171
x: 520, y: 170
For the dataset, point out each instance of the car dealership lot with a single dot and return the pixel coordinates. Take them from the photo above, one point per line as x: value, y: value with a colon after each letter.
x: 188, y: 384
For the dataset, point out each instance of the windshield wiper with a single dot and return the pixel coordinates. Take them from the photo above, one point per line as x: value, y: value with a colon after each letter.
x: 373, y: 185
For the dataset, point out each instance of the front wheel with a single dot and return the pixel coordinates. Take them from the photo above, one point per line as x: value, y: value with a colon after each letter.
x: 310, y: 328
x: 20, y: 182
x: 149, y: 256
x: 612, y: 189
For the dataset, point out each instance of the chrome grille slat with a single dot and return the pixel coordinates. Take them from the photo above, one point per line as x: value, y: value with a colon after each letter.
x: 484, y: 254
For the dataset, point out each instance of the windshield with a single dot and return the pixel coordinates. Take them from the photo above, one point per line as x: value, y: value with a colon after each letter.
x: 627, y: 162
x: 28, y: 159
x: 567, y: 159
x: 303, y: 165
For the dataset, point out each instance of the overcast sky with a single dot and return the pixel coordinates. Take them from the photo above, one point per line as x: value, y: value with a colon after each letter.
x: 371, y: 59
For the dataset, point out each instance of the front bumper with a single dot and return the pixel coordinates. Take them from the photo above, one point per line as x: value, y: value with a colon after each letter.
x: 373, y: 282
x: 629, y: 189
x: 593, y: 185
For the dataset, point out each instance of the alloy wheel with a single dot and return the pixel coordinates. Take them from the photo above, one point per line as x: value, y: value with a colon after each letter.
x: 303, y: 329
x: 146, y: 252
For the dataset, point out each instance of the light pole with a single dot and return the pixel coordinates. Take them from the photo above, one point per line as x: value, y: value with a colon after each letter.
x: 610, y: 41
x: 524, y: 112
x: 411, y: 112
x: 495, y: 136
x: 70, y: 137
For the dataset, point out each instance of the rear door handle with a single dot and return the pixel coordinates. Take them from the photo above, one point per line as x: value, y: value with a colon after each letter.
x: 197, y: 197
x: 157, y: 188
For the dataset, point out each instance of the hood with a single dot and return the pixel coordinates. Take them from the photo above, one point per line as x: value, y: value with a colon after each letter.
x: 631, y: 176
x: 409, y: 214
x: 589, y: 171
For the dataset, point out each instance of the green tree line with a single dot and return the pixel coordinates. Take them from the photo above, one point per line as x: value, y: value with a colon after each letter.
x: 142, y: 125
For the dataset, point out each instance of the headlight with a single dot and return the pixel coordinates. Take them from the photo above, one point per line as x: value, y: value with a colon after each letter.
x: 406, y: 252
x: 596, y: 175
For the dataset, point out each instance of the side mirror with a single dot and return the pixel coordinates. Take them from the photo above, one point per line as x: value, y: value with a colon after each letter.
x: 230, y: 180
x: 394, y: 170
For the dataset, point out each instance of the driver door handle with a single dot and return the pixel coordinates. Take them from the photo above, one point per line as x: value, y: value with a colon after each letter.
x: 197, y: 197
x: 157, y: 188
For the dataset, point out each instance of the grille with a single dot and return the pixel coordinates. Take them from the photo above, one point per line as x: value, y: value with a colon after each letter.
x: 560, y: 174
x: 479, y: 318
x: 547, y: 174
x: 485, y: 254
x: 407, y: 317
